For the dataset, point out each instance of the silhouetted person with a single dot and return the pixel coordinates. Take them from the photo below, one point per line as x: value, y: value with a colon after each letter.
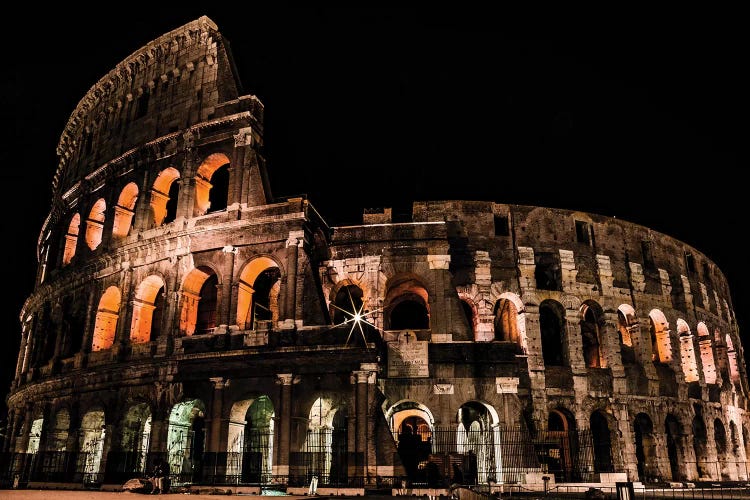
x: 458, y: 476
x: 159, y: 477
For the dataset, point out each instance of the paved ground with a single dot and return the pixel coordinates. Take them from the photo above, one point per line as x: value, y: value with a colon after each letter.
x: 108, y: 495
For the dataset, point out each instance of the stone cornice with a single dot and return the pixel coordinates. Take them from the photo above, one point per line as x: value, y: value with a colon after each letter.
x: 198, y: 31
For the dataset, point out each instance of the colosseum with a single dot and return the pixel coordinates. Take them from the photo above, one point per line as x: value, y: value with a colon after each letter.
x: 181, y: 312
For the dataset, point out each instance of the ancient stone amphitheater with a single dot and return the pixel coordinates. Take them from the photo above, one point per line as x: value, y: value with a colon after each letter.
x: 181, y: 312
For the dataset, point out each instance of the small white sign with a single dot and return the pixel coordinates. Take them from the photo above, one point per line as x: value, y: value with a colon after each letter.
x: 407, y: 357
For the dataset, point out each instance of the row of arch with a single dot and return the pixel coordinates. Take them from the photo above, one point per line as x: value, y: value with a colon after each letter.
x: 211, y: 195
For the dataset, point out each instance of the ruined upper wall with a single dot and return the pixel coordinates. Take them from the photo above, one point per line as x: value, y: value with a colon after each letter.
x: 638, y: 258
x: 169, y: 84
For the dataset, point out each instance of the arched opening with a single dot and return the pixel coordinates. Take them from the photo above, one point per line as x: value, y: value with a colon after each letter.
x: 346, y: 304
x: 95, y: 224
x: 91, y: 445
x: 106, y: 319
x: 506, y: 321
x: 552, y: 327
x: 720, y: 440
x: 661, y: 345
x: 257, y: 460
x: 136, y: 436
x: 562, y: 441
x: 478, y: 441
x: 198, y: 314
x: 411, y: 424
x: 645, y: 448
x: 700, y: 444
x: 707, y: 354
x: 212, y: 184
x: 673, y: 433
x: 71, y: 239
x: 406, y: 304
x: 591, y: 326
x: 250, y: 439
x: 57, y: 437
x: 625, y: 319
x: 164, y: 194
x: 258, y: 294
x: 626, y: 341
x: 469, y: 310
x: 73, y: 321
x: 602, y: 439
x: 325, y: 443
x: 148, y: 307
x: 124, y: 210
x: 35, y: 435
x: 687, y: 352
x: 185, y: 439
x: 734, y: 373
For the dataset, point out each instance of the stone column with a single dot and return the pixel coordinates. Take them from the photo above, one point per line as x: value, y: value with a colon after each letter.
x: 22, y: 439
x: 217, y: 408
x: 293, y: 244
x: 124, y: 315
x: 142, y: 219
x: 21, y: 356
x: 88, y: 331
x: 281, y: 467
x: 364, y: 447
x: 610, y: 339
x: 227, y: 304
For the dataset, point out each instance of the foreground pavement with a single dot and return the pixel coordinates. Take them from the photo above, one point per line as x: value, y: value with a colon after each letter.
x: 110, y: 495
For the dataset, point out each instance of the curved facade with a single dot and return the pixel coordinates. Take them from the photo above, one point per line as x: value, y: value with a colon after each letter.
x: 180, y: 311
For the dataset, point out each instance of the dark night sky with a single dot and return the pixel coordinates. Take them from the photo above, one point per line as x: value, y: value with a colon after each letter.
x: 638, y: 116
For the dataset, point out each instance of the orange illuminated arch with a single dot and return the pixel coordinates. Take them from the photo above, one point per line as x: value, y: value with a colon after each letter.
x: 203, y: 185
x: 707, y: 353
x: 162, y: 194
x: 592, y: 322
x: 687, y: 351
x: 407, y: 305
x: 198, y: 301
x: 661, y: 345
x: 71, y: 239
x: 147, y: 307
x: 248, y: 304
x: 124, y: 210
x: 106, y: 319
x: 734, y: 372
x: 626, y: 319
x: 95, y: 224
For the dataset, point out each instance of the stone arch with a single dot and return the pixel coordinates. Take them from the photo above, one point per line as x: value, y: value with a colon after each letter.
x: 148, y: 308
x: 478, y: 440
x: 661, y: 344
x: 552, y: 329
x: 326, y: 441
x: 258, y: 293
x: 700, y: 443
x: 199, y: 295
x: 71, y: 239
x: 124, y: 210
x: 107, y: 315
x: 734, y: 373
x: 135, y: 435
x: 510, y: 319
x: 561, y: 431
x: 210, y: 197
x: 185, y: 436
x: 95, y: 224
x: 645, y: 447
x: 601, y: 435
x: 720, y: 440
x: 91, y: 442
x: 471, y: 314
x: 592, y: 325
x: 407, y: 305
x: 251, y: 432
x: 626, y: 319
x: 673, y: 433
x: 687, y: 351
x: 57, y: 437
x: 707, y: 353
x: 164, y: 193
x: 412, y: 425
x: 346, y: 301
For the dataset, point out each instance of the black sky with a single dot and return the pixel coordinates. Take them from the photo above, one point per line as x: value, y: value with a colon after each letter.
x: 638, y: 115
